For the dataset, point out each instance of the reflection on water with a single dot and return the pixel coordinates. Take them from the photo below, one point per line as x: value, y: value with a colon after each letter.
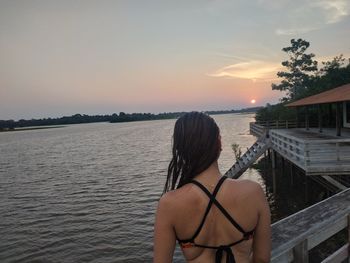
x: 88, y: 193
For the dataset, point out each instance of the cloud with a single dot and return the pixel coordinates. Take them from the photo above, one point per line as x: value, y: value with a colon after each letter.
x: 313, y: 15
x: 228, y: 56
x: 294, y: 31
x: 255, y: 70
x: 335, y: 10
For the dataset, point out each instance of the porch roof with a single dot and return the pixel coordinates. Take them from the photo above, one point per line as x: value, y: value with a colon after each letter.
x: 339, y: 94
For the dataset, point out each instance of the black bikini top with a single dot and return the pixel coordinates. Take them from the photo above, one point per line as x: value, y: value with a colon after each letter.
x: 187, y: 243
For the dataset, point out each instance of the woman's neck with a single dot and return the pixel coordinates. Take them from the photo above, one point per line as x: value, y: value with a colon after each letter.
x: 210, y: 176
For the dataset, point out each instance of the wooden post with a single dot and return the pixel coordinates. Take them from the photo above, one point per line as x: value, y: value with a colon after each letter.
x: 273, y: 158
x: 274, y: 185
x: 306, y: 190
x: 306, y: 156
x: 300, y: 252
x: 265, y: 168
x: 319, y: 117
x: 307, y: 118
x: 348, y: 239
x: 337, y: 151
x: 338, y: 119
x: 291, y: 173
x: 330, y: 115
x: 297, y: 115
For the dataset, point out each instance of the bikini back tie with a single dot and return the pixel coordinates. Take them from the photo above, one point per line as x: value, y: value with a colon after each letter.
x: 220, y: 250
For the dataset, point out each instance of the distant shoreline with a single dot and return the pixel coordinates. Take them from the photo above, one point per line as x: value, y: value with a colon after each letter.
x: 11, y: 125
x: 29, y: 128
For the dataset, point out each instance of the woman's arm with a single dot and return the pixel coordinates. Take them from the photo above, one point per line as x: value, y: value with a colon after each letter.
x: 164, y: 233
x: 262, y: 235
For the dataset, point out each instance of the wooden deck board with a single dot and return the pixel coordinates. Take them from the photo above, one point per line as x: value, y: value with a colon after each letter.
x: 315, y: 224
x: 314, y: 152
x: 314, y: 134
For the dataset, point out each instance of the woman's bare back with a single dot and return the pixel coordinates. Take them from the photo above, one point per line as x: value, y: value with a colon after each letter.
x: 240, y: 198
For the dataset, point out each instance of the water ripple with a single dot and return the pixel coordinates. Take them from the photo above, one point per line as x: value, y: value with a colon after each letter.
x: 88, y: 193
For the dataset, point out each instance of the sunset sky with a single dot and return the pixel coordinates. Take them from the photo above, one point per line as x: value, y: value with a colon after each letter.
x: 99, y: 57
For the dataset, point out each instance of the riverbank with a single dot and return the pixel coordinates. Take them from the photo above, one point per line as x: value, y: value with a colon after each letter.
x: 29, y: 128
x: 121, y: 117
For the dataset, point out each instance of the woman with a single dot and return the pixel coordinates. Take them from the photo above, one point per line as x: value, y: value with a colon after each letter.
x: 213, y: 218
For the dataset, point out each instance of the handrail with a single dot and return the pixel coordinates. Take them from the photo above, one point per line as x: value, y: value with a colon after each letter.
x: 312, y: 154
x: 249, y: 157
x: 285, y: 124
x: 256, y: 125
x: 294, y: 236
x: 340, y: 140
x: 299, y: 140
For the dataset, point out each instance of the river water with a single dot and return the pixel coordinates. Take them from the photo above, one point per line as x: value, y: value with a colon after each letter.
x: 88, y: 192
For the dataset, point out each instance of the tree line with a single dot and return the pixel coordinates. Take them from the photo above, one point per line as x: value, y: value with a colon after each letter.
x: 113, y: 118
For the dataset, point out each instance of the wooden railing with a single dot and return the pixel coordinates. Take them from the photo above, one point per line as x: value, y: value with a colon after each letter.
x: 257, y: 129
x: 290, y: 147
x: 315, y: 156
x: 284, y: 124
x: 260, y: 127
x: 249, y: 157
x: 336, y: 150
x: 324, y: 156
x: 279, y: 124
x: 293, y: 237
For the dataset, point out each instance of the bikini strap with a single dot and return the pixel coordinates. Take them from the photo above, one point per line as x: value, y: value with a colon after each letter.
x: 218, y: 205
x: 212, y: 198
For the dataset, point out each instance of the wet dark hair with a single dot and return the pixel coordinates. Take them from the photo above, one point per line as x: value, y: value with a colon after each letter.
x: 196, y: 146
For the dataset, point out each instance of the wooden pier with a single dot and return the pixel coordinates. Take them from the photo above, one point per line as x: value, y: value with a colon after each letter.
x: 315, y: 152
x: 322, y: 153
x: 319, y: 153
x: 293, y: 237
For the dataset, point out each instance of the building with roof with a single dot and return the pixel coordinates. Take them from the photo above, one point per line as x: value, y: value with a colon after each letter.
x: 320, y: 151
x: 339, y: 96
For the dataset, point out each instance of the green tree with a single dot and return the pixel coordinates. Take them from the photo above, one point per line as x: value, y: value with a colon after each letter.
x: 299, y: 67
x: 333, y: 74
x: 334, y: 65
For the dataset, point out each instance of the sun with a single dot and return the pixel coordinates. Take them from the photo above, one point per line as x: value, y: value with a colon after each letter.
x: 253, y: 101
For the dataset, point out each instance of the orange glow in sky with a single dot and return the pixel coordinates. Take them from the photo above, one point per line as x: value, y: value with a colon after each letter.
x: 105, y: 57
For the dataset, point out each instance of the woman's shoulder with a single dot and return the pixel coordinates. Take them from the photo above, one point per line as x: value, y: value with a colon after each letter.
x: 246, y: 187
x: 172, y: 204
x: 246, y: 183
x: 174, y: 197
